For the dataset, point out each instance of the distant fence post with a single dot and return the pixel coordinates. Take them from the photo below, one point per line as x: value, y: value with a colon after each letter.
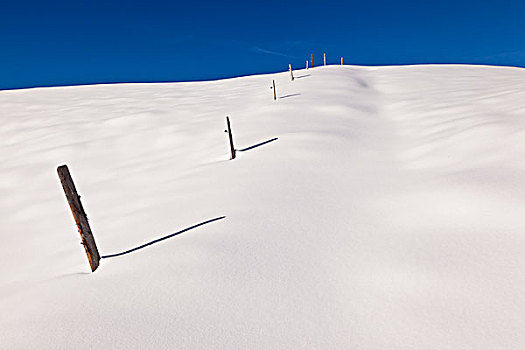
x: 306, y: 64
x: 274, y: 92
x: 341, y: 61
x: 232, y: 148
x: 324, y: 58
x: 312, y: 59
x: 88, y: 241
x: 291, y: 71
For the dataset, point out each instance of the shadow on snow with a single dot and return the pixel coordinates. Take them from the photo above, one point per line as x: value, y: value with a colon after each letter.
x: 257, y: 145
x: 161, y: 239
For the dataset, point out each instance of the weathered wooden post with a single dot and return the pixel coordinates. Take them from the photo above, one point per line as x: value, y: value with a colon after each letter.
x: 324, y: 58
x: 312, y: 58
x: 232, y: 148
x: 291, y: 72
x: 88, y: 241
x: 341, y: 61
x: 306, y: 64
x: 274, y: 92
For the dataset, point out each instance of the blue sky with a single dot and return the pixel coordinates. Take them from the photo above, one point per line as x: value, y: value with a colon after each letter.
x: 47, y: 43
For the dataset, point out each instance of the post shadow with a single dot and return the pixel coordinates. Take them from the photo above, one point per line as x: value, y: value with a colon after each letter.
x: 290, y: 95
x: 257, y: 145
x: 161, y: 239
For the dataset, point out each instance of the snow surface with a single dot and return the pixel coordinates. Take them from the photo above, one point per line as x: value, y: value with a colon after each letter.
x: 388, y: 214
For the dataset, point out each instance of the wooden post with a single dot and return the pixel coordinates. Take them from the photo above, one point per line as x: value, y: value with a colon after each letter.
x: 306, y: 64
x: 291, y: 72
x: 341, y: 61
x: 88, y: 241
x: 274, y: 92
x: 232, y: 149
x: 324, y: 58
x: 312, y: 58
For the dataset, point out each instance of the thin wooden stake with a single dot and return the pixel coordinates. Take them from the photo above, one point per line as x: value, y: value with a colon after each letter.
x: 274, y: 92
x: 291, y: 71
x: 306, y: 64
x: 312, y: 58
x: 341, y: 61
x: 324, y: 58
x: 232, y: 149
x: 88, y: 241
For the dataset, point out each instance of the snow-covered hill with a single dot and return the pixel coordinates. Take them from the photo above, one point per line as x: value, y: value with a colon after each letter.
x: 387, y: 212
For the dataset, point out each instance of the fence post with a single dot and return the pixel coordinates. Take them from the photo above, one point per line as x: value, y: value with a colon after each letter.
x: 312, y: 57
x: 88, y: 241
x: 274, y: 92
x: 324, y: 58
x: 341, y: 61
x: 232, y: 149
x: 306, y: 64
x: 291, y: 72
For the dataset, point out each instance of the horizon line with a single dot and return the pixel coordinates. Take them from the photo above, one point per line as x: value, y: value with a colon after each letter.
x: 247, y: 75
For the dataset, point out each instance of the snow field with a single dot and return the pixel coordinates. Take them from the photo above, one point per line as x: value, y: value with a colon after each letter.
x: 388, y: 214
